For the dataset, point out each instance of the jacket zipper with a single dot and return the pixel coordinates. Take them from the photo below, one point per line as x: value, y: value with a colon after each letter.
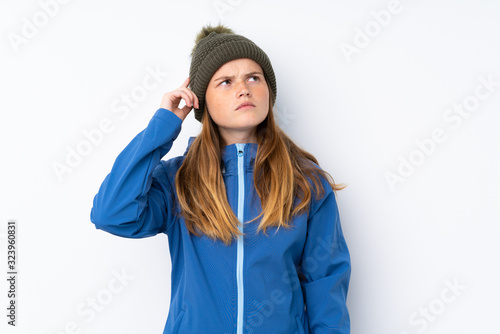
x: 239, y: 265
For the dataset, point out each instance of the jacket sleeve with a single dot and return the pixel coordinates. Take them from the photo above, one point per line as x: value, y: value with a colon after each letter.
x: 326, y: 269
x: 135, y: 198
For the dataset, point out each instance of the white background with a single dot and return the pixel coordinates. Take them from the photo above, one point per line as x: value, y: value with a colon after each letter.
x: 360, y: 115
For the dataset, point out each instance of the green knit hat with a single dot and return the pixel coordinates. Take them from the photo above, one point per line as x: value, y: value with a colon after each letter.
x: 215, y: 46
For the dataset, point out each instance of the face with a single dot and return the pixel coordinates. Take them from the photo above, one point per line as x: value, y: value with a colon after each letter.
x: 236, y: 82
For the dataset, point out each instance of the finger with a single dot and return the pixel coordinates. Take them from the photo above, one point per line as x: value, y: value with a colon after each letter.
x: 184, y: 112
x: 197, y: 103
x: 195, y: 98
x: 186, y: 98
x: 175, y: 98
x: 186, y: 109
x: 185, y: 83
x: 192, y: 96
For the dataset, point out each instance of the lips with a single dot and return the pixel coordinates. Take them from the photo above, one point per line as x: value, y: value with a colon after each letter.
x: 245, y: 104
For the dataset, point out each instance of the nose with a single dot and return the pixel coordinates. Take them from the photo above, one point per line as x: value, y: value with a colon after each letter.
x: 242, y: 89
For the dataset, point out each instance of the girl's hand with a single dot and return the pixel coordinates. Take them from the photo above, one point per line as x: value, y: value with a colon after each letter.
x: 172, y: 99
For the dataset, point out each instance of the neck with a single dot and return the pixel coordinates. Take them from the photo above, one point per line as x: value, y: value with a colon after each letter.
x: 229, y: 138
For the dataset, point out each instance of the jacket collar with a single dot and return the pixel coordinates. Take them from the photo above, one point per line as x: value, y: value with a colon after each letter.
x: 230, y: 156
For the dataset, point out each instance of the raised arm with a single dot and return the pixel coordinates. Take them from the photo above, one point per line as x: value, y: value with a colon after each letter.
x: 135, y: 199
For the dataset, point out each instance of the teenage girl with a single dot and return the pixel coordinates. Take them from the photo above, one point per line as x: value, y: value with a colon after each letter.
x: 252, y: 220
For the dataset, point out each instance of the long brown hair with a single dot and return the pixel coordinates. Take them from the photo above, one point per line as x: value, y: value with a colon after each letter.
x: 280, y: 175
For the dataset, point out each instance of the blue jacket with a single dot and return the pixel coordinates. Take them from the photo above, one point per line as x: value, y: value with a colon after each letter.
x: 292, y: 281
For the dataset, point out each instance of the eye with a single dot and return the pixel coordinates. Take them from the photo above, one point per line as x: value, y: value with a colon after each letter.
x: 228, y: 81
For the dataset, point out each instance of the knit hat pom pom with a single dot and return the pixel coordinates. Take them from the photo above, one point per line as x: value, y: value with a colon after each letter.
x: 205, y: 31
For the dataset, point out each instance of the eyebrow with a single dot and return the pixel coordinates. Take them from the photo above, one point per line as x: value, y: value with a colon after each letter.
x: 232, y: 76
